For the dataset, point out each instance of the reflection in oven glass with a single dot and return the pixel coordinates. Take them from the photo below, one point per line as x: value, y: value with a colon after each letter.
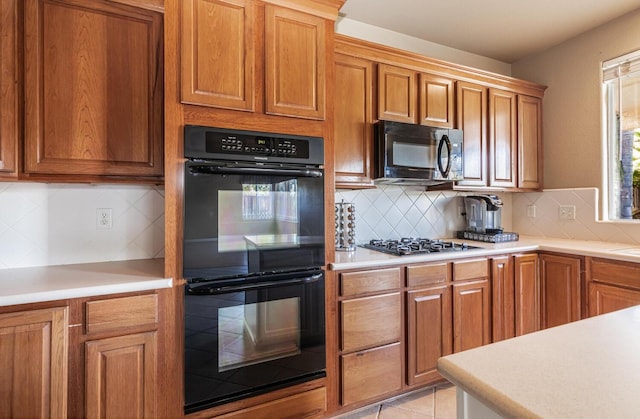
x: 258, y: 332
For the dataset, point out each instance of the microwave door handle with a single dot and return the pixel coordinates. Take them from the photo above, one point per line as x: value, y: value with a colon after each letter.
x: 212, y: 289
x: 444, y: 141
x: 211, y: 169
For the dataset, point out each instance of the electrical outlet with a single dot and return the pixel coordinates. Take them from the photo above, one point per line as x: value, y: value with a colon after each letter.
x: 567, y: 212
x: 104, y: 219
x: 531, y: 211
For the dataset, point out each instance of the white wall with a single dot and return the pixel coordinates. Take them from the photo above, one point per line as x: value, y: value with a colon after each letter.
x: 547, y: 222
x: 355, y: 29
x: 571, y: 107
x: 54, y: 224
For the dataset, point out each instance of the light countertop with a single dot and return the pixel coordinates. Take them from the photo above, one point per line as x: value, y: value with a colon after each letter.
x: 49, y: 283
x: 585, y: 369
x: 365, y: 258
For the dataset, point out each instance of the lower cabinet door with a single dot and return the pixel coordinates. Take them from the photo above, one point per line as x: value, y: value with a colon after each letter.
x: 428, y: 332
x: 605, y: 298
x: 33, y: 363
x: 471, y: 315
x: 121, y: 376
x: 371, y: 373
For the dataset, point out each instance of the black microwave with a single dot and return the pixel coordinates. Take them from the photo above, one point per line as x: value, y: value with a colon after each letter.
x: 409, y: 154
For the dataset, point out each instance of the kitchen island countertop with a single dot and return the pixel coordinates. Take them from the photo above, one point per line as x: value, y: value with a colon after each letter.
x: 588, y: 368
x: 362, y: 258
x: 50, y: 283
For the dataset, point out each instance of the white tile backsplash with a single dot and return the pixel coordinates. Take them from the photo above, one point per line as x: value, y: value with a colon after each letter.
x: 52, y: 224
x: 389, y: 212
x: 586, y: 226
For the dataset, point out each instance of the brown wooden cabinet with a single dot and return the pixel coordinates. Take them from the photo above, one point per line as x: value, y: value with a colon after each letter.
x: 295, y: 66
x: 503, y: 298
x: 353, y: 118
x: 527, y: 294
x: 93, y: 100
x: 560, y: 289
x: 429, y: 317
x: 471, y: 102
x: 370, y: 313
x: 405, y: 95
x: 515, y: 295
x: 251, y: 56
x: 218, y: 47
x: 529, y: 142
x: 307, y: 404
x: 120, y: 357
x: 471, y: 304
x: 611, y: 285
x: 9, y: 89
x: 33, y: 361
x: 436, y: 95
x: 507, y: 155
x: 503, y: 146
x: 397, y: 92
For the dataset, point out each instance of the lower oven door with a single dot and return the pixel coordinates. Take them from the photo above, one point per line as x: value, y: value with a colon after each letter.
x: 244, y: 339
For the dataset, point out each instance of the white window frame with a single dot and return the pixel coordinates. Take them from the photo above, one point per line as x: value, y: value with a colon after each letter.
x: 614, y: 69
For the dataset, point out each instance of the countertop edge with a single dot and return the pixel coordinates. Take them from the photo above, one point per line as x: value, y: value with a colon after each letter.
x: 363, y: 258
x: 86, y: 291
x: 483, y: 392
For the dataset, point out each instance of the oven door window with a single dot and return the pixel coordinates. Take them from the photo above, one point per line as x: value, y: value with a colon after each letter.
x: 258, y: 332
x: 239, y: 224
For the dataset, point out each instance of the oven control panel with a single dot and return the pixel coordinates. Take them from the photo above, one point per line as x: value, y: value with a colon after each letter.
x: 210, y: 143
x: 257, y: 145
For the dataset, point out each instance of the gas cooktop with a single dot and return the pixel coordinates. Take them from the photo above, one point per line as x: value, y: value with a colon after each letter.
x: 413, y: 246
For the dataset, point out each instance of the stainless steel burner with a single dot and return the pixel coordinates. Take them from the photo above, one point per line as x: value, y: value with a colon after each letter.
x: 412, y: 246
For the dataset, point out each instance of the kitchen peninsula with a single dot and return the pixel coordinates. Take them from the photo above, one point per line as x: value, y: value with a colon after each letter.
x: 588, y: 368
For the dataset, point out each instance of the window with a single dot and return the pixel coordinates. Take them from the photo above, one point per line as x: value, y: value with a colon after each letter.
x: 621, y: 85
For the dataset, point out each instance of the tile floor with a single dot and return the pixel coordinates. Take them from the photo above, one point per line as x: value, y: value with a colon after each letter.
x: 434, y: 402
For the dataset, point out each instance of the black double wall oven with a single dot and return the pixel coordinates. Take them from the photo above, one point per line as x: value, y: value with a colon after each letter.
x: 253, y: 252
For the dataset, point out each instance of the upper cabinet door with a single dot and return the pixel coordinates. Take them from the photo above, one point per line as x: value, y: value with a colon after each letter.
x: 218, y: 53
x: 436, y: 101
x: 295, y: 63
x: 471, y: 101
x: 9, y: 120
x: 529, y: 142
x: 93, y: 89
x: 353, y: 118
x: 396, y: 94
x: 502, y: 139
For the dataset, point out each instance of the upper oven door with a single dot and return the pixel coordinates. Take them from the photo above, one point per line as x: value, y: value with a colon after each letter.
x: 240, y: 221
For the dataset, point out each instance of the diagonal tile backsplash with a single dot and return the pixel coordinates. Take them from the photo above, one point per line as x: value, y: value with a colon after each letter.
x: 390, y: 212
x: 52, y: 224
x: 547, y: 222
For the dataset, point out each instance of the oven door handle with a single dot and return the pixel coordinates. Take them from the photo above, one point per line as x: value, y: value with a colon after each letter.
x: 210, y: 169
x: 210, y: 289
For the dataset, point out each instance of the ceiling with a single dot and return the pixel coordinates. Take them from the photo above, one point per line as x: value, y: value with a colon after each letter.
x: 505, y: 30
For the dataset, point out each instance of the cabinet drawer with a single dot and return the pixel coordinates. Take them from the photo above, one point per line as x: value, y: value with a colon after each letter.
x: 371, y: 373
x: 615, y: 273
x: 470, y: 269
x: 119, y: 313
x: 421, y: 275
x: 370, y: 321
x: 310, y: 404
x: 362, y: 282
